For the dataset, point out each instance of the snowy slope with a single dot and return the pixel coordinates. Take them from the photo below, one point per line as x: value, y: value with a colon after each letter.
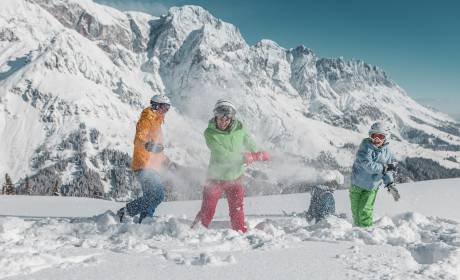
x: 75, y: 75
x: 415, y: 238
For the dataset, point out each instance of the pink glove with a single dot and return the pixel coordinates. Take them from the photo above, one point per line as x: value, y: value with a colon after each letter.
x: 250, y: 157
x: 263, y: 155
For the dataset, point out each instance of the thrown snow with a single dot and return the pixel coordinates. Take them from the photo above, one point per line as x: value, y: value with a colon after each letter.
x: 415, y: 238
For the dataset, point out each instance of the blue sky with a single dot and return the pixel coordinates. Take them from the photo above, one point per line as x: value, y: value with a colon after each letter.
x: 417, y: 43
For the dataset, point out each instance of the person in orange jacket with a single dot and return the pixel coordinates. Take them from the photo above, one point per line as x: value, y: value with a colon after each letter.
x: 148, y: 159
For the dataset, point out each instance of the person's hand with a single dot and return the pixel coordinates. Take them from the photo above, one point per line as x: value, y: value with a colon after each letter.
x: 154, y: 148
x: 250, y: 157
x: 391, y: 188
x: 389, y: 167
x: 263, y: 156
x: 309, y: 217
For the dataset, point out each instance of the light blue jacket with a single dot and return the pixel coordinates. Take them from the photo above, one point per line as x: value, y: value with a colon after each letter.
x: 367, y: 172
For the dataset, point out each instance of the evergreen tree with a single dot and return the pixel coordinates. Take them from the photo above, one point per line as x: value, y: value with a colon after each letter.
x: 8, y: 187
x: 56, y: 191
x: 28, y: 187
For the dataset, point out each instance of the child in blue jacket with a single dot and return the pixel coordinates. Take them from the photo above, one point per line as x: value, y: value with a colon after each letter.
x: 372, y: 167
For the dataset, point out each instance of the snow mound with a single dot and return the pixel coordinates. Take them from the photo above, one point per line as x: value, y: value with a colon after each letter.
x: 432, y: 245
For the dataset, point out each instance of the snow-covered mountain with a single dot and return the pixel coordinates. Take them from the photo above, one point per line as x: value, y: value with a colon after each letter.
x: 75, y: 75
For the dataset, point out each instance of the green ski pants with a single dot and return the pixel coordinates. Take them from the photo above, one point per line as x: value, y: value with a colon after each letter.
x: 362, y: 206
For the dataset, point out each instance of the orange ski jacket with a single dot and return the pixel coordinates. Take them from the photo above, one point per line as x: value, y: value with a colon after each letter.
x: 148, y: 128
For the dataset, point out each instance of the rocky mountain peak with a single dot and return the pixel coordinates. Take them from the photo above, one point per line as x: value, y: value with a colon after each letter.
x: 342, y: 73
x: 72, y: 68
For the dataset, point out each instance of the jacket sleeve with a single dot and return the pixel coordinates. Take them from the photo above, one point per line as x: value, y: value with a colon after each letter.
x: 143, y: 128
x: 249, y: 142
x: 390, y: 157
x: 364, y: 159
x: 388, y: 177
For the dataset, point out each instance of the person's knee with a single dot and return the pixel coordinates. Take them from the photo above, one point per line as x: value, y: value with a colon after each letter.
x: 156, y: 195
x: 212, y: 190
x: 160, y: 194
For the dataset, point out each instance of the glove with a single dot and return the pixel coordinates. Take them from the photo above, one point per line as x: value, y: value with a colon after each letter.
x: 250, y: 157
x: 309, y: 216
x: 391, y: 188
x: 263, y: 156
x: 389, y: 167
x: 154, y: 148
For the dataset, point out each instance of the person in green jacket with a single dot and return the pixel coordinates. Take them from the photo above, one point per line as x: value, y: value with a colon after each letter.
x: 232, y: 148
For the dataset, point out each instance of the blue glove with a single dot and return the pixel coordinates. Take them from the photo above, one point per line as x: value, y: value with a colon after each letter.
x: 154, y: 148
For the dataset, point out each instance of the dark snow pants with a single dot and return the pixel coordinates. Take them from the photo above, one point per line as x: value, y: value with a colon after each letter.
x: 153, y: 194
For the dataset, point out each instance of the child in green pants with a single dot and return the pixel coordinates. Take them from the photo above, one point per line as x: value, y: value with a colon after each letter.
x: 373, y: 165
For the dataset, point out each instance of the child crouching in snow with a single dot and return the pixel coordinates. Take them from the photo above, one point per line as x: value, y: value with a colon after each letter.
x: 373, y: 165
x: 322, y: 203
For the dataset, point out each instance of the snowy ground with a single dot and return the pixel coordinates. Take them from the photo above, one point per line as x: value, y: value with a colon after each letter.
x: 415, y: 238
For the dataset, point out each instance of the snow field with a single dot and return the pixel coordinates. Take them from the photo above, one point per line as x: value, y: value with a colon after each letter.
x: 425, y: 247
x: 401, y: 244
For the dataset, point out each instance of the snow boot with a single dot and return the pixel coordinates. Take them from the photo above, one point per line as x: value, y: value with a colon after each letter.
x: 142, y: 216
x: 121, y: 213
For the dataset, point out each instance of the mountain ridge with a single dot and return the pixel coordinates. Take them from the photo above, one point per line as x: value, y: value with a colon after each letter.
x: 91, y: 69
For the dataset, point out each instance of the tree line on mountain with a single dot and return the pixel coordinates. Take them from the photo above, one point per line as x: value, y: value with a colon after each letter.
x: 123, y: 186
x: 108, y: 175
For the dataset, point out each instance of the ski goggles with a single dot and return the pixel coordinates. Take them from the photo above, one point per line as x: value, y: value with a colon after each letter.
x: 223, y: 118
x: 224, y: 111
x: 164, y: 106
x: 378, y: 137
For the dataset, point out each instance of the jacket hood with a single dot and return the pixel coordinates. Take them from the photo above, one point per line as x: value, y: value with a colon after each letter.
x: 149, y: 113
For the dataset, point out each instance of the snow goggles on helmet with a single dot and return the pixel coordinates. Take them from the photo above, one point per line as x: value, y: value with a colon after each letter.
x: 162, y: 106
x: 378, y: 137
x: 224, y: 111
x: 223, y: 119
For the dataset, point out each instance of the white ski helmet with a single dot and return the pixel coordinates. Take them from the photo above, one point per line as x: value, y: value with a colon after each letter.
x: 380, y: 128
x: 224, y: 107
x: 160, y: 99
